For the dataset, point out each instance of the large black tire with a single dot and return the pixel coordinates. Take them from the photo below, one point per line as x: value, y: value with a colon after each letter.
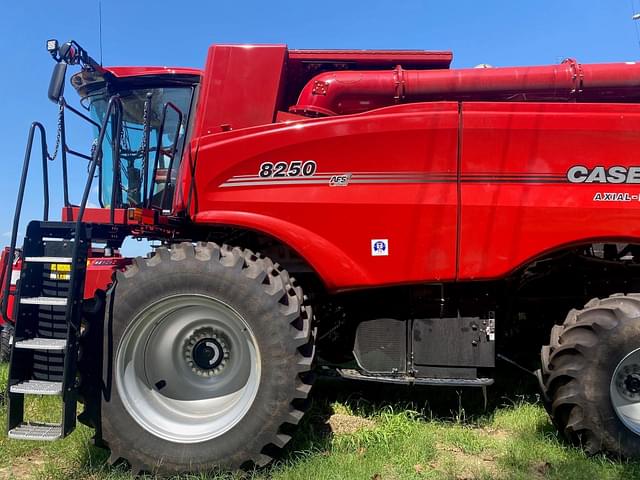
x: 5, y: 342
x: 577, y: 368
x: 273, y: 306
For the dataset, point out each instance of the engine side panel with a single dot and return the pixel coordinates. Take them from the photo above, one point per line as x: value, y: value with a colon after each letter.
x: 380, y: 207
x: 517, y: 200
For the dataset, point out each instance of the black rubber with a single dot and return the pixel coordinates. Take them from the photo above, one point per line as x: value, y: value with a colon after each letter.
x: 577, y: 367
x: 5, y: 342
x: 273, y: 305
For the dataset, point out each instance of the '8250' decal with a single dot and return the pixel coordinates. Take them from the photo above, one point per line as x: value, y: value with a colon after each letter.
x: 296, y: 168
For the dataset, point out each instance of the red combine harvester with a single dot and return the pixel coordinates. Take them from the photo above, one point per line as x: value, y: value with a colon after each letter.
x: 434, y: 220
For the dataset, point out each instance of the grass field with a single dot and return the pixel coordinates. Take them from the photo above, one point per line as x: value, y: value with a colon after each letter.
x: 356, y: 431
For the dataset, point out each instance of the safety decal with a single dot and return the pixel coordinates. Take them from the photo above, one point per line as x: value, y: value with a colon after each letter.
x: 60, y: 272
x: 379, y: 247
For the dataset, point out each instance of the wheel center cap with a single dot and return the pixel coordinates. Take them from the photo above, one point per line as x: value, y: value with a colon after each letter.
x: 207, y: 353
x: 632, y: 383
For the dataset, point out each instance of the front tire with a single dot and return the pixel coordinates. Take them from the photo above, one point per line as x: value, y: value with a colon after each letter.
x: 208, y: 352
x: 591, y: 376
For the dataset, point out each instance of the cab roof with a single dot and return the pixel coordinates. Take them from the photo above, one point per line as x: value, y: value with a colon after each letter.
x: 124, y: 72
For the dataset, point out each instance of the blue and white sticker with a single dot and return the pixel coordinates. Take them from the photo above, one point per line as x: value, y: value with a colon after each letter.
x: 379, y: 247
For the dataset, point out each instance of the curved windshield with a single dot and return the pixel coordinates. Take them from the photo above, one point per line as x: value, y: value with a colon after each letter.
x: 146, y: 170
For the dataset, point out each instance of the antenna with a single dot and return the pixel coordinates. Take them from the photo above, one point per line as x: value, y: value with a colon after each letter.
x: 635, y: 17
x: 100, y: 27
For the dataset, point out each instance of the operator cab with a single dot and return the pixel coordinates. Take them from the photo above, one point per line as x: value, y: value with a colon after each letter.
x: 141, y: 169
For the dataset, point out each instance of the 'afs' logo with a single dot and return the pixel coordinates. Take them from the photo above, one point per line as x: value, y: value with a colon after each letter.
x: 340, y: 180
x: 600, y: 174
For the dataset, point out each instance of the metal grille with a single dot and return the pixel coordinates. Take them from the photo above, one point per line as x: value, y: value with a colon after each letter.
x: 381, y: 346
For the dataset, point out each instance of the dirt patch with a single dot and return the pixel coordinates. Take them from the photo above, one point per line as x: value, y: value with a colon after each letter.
x: 344, y: 424
x: 540, y: 470
x: 24, y: 467
x: 496, y: 433
x: 466, y: 466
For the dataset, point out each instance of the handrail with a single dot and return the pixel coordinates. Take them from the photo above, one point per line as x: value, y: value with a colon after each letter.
x: 159, y: 149
x: 18, y: 211
x: 96, y: 158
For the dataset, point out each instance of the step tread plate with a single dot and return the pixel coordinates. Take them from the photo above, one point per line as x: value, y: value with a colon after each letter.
x: 410, y: 380
x: 48, y: 259
x: 36, y: 431
x: 37, y: 387
x: 53, y: 301
x: 42, y: 343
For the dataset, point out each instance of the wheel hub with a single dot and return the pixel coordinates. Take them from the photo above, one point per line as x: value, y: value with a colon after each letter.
x: 206, y: 352
x: 628, y: 381
x: 632, y: 383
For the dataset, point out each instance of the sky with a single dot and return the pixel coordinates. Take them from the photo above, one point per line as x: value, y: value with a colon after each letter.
x: 161, y: 32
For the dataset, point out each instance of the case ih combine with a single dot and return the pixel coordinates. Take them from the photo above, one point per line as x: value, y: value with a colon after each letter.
x: 433, y: 219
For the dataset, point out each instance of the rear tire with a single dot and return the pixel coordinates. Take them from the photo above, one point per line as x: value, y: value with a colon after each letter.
x: 245, y: 307
x: 5, y: 342
x: 579, y: 377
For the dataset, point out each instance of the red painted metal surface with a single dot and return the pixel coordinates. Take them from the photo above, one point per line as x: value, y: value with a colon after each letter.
x: 520, y: 204
x: 4, y: 260
x: 240, y: 87
x: 124, y: 72
x: 347, y: 92
x: 403, y: 165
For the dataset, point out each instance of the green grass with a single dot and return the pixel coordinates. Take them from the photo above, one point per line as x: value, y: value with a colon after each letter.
x: 379, y: 436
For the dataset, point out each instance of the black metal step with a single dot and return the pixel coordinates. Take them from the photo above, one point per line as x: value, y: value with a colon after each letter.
x: 36, y: 431
x: 51, y: 301
x: 409, y: 380
x: 42, y: 343
x: 45, y: 352
x: 48, y: 259
x: 37, y: 387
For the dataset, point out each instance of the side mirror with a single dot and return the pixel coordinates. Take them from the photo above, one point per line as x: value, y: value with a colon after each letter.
x: 56, y: 85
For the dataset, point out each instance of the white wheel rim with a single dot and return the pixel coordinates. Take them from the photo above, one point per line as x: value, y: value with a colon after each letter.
x: 194, y: 404
x: 625, y: 391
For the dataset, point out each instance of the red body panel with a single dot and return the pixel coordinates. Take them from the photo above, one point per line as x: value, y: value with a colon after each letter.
x: 395, y: 193
x: 516, y: 203
x: 507, y: 222
x: 240, y: 87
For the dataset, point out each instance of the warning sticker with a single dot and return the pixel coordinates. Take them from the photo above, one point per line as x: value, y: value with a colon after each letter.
x: 60, y: 271
x: 379, y: 247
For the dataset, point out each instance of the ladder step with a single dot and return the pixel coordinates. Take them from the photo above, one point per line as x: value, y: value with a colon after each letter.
x: 53, y: 301
x: 36, y: 431
x: 37, y: 387
x: 48, y: 259
x: 42, y: 344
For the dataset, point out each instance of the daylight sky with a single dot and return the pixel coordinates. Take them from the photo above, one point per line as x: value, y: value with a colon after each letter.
x: 160, y: 32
